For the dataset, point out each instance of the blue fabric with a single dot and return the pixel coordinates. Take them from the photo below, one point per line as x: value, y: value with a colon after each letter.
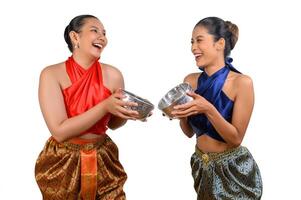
x: 210, y: 87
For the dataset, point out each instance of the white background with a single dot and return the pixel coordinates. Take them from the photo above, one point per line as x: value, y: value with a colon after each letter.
x: 150, y: 43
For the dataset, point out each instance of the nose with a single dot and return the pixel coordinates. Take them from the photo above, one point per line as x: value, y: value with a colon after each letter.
x: 193, y: 47
x: 101, y: 35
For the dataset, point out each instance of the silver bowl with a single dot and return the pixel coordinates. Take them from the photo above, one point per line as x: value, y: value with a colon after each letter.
x: 173, y: 97
x: 144, y: 106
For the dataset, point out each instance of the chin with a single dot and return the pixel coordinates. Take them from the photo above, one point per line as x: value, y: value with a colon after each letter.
x: 95, y: 55
x: 95, y: 52
x: 199, y: 64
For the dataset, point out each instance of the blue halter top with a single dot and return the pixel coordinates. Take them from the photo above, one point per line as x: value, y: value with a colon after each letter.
x: 210, y: 87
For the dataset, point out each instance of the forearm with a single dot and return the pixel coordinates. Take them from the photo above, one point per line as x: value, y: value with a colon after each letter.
x: 72, y: 127
x: 116, y: 122
x: 186, y: 128
x: 226, y: 130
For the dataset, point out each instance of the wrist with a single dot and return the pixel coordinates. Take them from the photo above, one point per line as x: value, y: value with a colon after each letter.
x: 210, y: 110
x: 104, y: 105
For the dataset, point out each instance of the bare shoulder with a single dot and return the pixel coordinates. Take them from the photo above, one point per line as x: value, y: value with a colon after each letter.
x: 53, y: 71
x: 192, y: 79
x: 110, y: 70
x: 243, y: 81
x: 112, y: 77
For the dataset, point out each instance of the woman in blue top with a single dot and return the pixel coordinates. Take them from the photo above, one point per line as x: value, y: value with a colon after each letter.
x: 219, y: 116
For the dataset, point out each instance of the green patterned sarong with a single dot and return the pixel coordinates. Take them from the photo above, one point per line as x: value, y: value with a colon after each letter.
x: 232, y: 174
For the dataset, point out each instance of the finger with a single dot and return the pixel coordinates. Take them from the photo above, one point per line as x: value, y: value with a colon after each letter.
x: 128, y: 112
x: 183, y: 106
x: 119, y: 90
x: 121, y: 103
x: 126, y: 103
x: 119, y: 95
x: 131, y: 113
x: 129, y: 116
x: 130, y: 103
x: 179, y: 116
x: 192, y: 94
x: 184, y: 112
x: 124, y: 116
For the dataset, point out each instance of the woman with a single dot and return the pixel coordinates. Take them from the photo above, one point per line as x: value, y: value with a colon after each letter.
x: 219, y: 115
x: 80, y: 98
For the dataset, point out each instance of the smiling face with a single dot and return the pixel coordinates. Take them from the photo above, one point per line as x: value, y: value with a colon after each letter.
x: 204, y: 48
x: 91, y: 39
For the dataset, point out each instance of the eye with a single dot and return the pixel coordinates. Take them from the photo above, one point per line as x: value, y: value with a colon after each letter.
x: 94, y: 30
x: 199, y: 40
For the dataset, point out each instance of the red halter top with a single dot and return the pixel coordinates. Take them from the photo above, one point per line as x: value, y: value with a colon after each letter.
x: 86, y: 91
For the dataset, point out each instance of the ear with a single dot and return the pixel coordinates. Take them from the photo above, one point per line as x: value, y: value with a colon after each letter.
x: 74, y: 37
x: 220, y: 44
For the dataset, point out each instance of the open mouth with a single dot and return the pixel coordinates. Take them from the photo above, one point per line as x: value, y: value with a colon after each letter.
x: 197, y: 56
x: 98, y: 45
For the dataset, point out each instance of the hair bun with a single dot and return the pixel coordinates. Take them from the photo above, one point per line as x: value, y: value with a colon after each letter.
x: 233, y: 29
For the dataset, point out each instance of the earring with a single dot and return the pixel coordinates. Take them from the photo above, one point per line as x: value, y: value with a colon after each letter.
x: 76, y: 46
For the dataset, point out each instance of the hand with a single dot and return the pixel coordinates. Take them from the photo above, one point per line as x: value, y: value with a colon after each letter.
x: 116, y: 106
x: 198, y: 105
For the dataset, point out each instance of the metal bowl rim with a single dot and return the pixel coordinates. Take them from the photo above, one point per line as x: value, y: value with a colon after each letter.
x: 174, y: 100
x: 140, y: 99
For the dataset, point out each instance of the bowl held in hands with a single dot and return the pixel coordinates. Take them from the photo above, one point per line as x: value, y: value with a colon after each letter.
x: 144, y: 106
x: 175, y: 96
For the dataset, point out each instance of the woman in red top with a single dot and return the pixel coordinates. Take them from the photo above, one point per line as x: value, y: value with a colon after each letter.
x: 80, y: 98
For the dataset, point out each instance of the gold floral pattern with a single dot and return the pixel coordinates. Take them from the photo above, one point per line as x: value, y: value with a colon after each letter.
x: 58, y: 171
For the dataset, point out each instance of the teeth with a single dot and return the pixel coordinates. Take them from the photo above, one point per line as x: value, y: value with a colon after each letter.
x: 197, y: 55
x: 98, y: 45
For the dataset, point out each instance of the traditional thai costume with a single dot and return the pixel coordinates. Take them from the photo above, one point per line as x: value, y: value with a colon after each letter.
x: 232, y: 174
x: 82, y: 168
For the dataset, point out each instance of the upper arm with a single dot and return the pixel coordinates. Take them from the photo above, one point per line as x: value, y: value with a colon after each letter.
x: 114, y: 82
x: 192, y: 79
x: 244, y: 103
x: 51, y: 100
x: 185, y: 126
x: 115, y: 78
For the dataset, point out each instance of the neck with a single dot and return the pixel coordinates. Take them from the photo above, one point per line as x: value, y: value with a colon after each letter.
x: 214, y: 67
x: 83, y: 60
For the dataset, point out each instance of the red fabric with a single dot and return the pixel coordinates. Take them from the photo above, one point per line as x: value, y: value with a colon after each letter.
x: 86, y: 91
x: 88, y: 171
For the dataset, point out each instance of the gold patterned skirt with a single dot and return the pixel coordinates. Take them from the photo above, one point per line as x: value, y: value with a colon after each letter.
x: 232, y: 174
x: 80, y: 169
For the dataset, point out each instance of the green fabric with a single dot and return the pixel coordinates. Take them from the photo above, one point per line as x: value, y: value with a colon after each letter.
x: 232, y: 174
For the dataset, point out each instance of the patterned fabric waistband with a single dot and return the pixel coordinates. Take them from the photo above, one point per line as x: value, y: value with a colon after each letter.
x: 206, y: 157
x: 78, y: 144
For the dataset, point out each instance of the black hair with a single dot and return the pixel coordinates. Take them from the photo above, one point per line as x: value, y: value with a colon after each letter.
x: 75, y: 25
x: 221, y: 29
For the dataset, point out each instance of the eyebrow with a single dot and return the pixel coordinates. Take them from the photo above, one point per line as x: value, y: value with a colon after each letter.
x: 199, y: 36
x: 104, y: 30
x: 94, y: 27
